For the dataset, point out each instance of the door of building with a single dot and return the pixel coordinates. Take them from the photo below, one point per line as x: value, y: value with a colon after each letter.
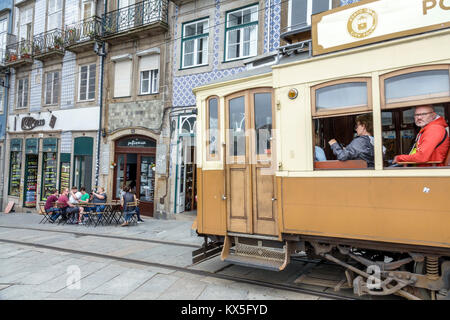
x: 135, y: 159
x: 249, y: 160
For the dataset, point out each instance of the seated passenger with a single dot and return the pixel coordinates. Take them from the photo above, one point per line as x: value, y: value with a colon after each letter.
x: 361, y: 147
x: 432, y: 141
x: 319, y: 154
x: 50, y: 208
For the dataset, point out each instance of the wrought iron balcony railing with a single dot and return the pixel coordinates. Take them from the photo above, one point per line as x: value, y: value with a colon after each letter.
x: 47, y: 42
x: 18, y: 51
x: 6, y: 39
x: 85, y: 30
x: 137, y: 15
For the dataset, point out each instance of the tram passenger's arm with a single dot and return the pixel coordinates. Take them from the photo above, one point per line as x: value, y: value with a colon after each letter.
x: 343, y: 154
x: 430, y: 139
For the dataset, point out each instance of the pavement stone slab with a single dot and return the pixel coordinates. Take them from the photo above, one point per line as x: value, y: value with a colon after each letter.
x: 125, y: 283
x: 183, y: 289
x: 153, y: 288
x: 216, y: 292
x: 22, y: 292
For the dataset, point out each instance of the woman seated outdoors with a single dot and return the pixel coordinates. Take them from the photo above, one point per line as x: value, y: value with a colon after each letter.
x: 361, y: 147
x: 128, y: 210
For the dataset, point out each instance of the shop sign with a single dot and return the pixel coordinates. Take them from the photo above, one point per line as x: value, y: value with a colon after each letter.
x: 50, y: 145
x: 29, y: 123
x: 31, y: 146
x: 137, y: 143
x: 16, y: 144
x: 371, y: 21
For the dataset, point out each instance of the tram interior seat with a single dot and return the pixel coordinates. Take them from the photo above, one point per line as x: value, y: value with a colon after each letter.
x: 337, y: 164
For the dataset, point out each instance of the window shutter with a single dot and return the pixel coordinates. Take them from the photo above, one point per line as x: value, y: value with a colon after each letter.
x: 122, y: 78
x: 149, y: 62
x: 320, y: 6
x: 299, y: 10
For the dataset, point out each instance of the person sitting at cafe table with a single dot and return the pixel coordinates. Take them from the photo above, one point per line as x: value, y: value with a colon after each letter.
x: 74, y: 199
x: 68, y: 209
x: 361, y: 147
x: 85, y: 198
x: 99, y: 198
x: 50, y: 208
x: 432, y: 141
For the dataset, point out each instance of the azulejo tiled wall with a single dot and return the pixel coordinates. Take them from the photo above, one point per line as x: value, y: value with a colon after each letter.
x: 183, y: 85
x: 345, y: 2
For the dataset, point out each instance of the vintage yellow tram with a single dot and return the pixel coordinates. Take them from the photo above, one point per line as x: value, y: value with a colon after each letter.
x: 263, y: 196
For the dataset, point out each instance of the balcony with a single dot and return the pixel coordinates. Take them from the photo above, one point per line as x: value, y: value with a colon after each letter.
x: 7, y: 40
x: 48, y: 45
x: 143, y: 19
x: 80, y: 37
x: 19, y: 54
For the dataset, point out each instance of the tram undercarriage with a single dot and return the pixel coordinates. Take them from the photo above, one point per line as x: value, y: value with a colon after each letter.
x: 370, y: 270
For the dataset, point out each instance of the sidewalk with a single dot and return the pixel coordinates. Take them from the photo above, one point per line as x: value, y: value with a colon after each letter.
x: 178, y: 230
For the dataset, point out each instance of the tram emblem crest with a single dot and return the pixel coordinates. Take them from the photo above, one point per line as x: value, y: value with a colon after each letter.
x: 362, y: 23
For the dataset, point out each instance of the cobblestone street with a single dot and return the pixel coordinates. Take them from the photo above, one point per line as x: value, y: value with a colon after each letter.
x: 30, y: 272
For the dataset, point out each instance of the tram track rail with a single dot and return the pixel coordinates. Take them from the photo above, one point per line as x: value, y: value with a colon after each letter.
x: 87, y: 234
x: 185, y: 269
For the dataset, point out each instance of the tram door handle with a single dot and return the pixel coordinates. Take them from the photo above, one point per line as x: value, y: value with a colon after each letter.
x: 224, y: 197
x: 274, y: 199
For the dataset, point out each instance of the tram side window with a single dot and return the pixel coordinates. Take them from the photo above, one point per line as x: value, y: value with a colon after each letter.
x: 415, y: 112
x: 343, y: 124
x: 212, y: 127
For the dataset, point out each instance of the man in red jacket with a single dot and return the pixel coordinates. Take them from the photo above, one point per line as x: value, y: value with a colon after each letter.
x: 432, y: 141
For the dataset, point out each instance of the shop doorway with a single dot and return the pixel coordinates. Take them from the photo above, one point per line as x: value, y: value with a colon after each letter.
x: 135, y: 161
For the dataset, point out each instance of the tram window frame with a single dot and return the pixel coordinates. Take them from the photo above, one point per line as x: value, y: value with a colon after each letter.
x: 411, y: 102
x: 345, y: 110
x: 407, y: 103
x: 212, y: 156
x: 339, y: 113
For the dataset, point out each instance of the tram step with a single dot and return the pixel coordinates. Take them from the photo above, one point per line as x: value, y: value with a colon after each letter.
x: 268, y: 258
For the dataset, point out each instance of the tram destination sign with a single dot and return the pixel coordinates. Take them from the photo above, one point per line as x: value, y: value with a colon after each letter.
x: 371, y: 21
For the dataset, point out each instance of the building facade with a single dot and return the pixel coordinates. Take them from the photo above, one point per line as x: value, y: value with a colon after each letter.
x: 54, y: 99
x: 212, y: 40
x: 5, y: 31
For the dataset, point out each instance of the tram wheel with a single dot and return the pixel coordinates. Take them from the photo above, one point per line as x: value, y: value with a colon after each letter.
x: 424, y: 294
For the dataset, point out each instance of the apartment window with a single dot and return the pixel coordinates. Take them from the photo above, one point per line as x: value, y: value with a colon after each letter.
x: 195, y: 44
x: 3, y: 35
x: 122, y: 78
x: 149, y: 75
x: 26, y: 22
x: 54, y: 14
x: 22, y: 93
x: 300, y: 12
x: 88, y: 7
x: 52, y: 87
x: 241, y: 33
x: 87, y: 82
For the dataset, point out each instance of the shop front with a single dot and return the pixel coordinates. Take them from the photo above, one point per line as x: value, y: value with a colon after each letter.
x: 134, y: 166
x: 47, y: 151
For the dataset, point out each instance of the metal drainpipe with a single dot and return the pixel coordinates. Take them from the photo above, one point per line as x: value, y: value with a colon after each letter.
x: 102, y: 66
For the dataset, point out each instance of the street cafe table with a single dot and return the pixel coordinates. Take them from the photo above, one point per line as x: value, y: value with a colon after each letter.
x: 111, y: 213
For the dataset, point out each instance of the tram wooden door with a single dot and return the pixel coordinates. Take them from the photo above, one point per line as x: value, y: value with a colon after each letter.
x: 249, y: 163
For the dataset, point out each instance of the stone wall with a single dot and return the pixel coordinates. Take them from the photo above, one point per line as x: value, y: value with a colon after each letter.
x: 146, y: 114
